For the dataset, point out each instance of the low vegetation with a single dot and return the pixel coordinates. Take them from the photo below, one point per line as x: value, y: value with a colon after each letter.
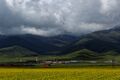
x: 60, y: 74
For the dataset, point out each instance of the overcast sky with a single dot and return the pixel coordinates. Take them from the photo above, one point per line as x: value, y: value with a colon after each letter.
x: 53, y: 17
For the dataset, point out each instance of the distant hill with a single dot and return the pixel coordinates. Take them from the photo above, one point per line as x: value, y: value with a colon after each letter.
x: 39, y: 44
x: 100, y: 41
x: 16, y: 51
x: 83, y: 54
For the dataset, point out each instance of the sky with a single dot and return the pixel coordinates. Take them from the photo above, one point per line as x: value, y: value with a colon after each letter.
x: 55, y: 17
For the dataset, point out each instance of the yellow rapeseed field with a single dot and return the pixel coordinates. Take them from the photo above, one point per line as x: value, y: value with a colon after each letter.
x: 60, y: 74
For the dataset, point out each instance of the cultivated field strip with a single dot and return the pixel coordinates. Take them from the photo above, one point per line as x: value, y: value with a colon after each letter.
x: 60, y: 74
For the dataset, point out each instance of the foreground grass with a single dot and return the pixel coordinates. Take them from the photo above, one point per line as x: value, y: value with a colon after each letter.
x: 60, y: 74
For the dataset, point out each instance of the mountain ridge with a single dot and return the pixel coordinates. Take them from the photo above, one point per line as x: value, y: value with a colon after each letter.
x: 16, y: 51
x: 38, y: 44
x: 100, y: 41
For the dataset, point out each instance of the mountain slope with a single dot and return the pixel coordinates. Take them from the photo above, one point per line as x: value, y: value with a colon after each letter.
x: 100, y: 41
x: 38, y: 44
x: 16, y: 51
x: 83, y: 54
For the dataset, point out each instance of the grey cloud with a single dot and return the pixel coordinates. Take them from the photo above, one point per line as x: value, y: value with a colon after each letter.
x: 53, y: 17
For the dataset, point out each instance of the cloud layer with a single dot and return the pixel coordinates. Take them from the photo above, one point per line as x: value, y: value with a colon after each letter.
x: 53, y: 17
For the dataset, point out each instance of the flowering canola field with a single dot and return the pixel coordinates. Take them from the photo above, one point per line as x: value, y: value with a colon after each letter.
x: 60, y: 74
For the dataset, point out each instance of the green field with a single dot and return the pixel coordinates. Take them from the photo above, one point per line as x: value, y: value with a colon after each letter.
x: 60, y: 74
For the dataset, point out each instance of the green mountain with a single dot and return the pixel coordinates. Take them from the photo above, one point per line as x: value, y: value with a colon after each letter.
x: 40, y: 44
x: 90, y: 46
x: 16, y: 51
x: 100, y: 41
x: 83, y: 54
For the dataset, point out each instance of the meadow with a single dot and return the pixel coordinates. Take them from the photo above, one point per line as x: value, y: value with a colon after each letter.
x: 60, y: 74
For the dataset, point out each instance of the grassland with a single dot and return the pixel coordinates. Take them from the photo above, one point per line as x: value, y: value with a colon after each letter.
x: 60, y: 74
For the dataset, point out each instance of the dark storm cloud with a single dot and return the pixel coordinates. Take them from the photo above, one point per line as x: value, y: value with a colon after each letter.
x: 52, y: 17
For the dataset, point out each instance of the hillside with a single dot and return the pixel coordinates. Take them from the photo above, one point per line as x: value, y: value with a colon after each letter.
x: 39, y: 44
x: 100, y: 41
x: 25, y: 54
x: 16, y: 51
x: 83, y: 54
